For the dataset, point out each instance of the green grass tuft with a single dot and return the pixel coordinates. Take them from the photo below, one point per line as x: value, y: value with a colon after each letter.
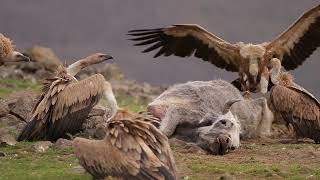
x: 8, y: 86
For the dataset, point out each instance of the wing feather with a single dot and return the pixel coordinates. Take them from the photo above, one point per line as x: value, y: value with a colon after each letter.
x: 184, y: 40
x: 130, y: 150
x: 298, y: 42
x: 299, y: 108
x: 63, y: 107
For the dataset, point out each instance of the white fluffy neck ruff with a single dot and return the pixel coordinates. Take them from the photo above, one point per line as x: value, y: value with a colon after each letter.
x: 264, y: 85
x: 108, y: 93
x: 275, y: 71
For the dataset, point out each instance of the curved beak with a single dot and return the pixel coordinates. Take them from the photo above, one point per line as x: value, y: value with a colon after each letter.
x: 107, y: 57
x: 25, y: 58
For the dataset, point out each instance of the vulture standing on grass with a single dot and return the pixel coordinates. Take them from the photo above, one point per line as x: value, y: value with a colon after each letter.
x: 296, y: 105
x: 65, y: 102
x: 133, y: 147
x: 292, y: 47
x: 7, y: 52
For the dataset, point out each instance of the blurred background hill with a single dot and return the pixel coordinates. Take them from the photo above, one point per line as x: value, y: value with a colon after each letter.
x: 76, y: 28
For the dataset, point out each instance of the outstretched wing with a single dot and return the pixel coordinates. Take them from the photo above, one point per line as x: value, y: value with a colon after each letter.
x: 187, y: 39
x: 298, y: 42
x: 63, y: 107
x: 132, y: 149
x: 299, y: 108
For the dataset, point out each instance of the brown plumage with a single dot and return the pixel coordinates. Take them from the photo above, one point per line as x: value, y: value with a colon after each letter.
x: 7, y: 52
x: 292, y: 47
x: 133, y: 148
x: 297, y: 106
x: 65, y: 103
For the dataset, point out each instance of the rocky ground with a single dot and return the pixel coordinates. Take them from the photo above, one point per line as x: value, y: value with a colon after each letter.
x: 19, y: 88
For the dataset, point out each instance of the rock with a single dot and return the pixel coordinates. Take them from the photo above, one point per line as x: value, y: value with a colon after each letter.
x: 226, y: 177
x: 2, y: 154
x: 93, y: 125
x: 109, y: 71
x: 33, y: 71
x: 41, y: 146
x: 7, y: 139
x: 21, y: 104
x: 12, y: 123
x: 44, y: 56
x: 4, y: 108
x: 62, y: 143
x: 3, y: 131
x: 78, y: 170
x: 100, y: 132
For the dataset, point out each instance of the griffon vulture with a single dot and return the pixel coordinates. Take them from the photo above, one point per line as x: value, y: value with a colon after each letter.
x: 133, y: 147
x: 297, y: 106
x: 292, y: 47
x: 7, y: 52
x: 65, y: 102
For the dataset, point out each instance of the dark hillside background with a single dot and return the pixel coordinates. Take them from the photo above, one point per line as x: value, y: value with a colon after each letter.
x: 76, y: 28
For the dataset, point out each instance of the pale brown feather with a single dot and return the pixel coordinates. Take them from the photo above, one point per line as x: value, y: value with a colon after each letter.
x: 63, y: 106
x: 132, y: 149
x: 297, y: 107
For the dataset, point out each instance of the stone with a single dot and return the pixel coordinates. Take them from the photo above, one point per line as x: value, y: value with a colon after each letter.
x: 92, y: 125
x: 41, y: 146
x: 7, y: 139
x: 2, y: 154
x: 21, y: 104
x: 62, y: 143
x: 4, y: 108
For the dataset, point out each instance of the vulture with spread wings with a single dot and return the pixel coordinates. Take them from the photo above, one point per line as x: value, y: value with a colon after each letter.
x: 292, y: 47
x: 133, y: 147
x: 65, y: 102
x: 296, y: 105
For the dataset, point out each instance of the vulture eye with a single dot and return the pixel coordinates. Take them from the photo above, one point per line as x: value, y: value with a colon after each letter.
x: 101, y: 56
x: 224, y: 122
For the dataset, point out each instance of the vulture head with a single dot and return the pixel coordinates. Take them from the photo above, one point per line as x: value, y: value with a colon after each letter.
x: 96, y: 58
x: 7, y: 52
x: 253, y: 56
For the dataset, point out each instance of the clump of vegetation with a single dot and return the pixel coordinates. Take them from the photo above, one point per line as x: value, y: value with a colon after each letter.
x: 8, y: 86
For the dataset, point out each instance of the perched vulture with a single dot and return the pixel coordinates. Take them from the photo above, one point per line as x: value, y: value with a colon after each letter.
x: 65, y: 102
x: 296, y: 105
x: 292, y: 47
x: 133, y: 147
x: 7, y: 52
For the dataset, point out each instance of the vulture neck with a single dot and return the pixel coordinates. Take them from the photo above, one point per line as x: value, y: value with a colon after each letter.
x: 275, y: 73
x: 75, y: 68
x: 112, y: 102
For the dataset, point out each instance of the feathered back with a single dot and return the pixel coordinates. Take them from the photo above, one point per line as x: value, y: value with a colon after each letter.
x: 132, y: 149
x: 63, y: 106
x: 297, y: 107
x: 6, y: 46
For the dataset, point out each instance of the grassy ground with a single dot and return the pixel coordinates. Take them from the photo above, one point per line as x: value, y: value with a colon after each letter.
x: 253, y: 160
x: 8, y: 86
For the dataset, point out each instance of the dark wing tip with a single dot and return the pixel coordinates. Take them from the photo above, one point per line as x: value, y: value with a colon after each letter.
x: 144, y: 30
